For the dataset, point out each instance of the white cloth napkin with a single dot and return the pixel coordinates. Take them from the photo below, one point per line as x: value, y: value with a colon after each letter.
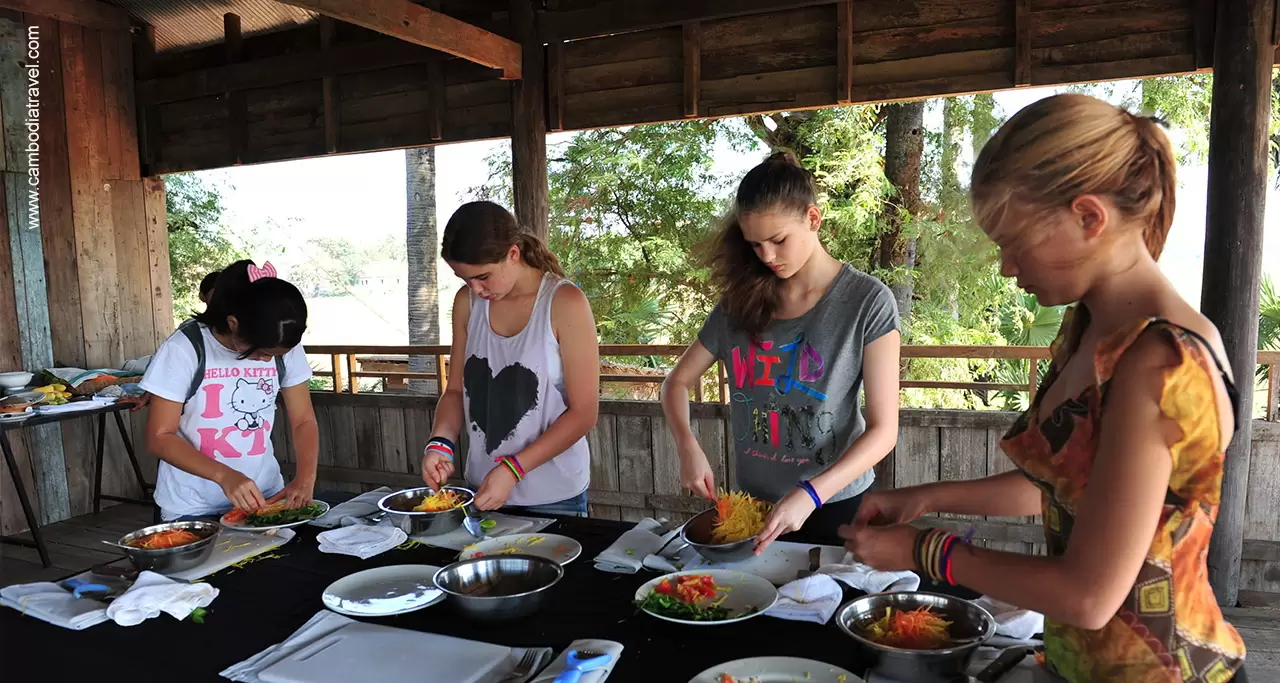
x: 628, y: 553
x: 814, y: 598
x: 361, y: 541
x: 92, y: 404
x: 362, y: 505
x: 864, y: 578
x: 51, y: 603
x: 152, y: 594
x: 325, y: 623
x: 1014, y: 622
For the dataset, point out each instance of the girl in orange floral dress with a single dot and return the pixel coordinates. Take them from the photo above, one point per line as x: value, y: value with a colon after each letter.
x: 1122, y: 448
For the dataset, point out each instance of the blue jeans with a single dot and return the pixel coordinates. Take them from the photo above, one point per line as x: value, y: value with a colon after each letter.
x: 569, y: 507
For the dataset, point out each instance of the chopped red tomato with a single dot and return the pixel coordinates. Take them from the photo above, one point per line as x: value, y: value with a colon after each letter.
x: 688, y: 589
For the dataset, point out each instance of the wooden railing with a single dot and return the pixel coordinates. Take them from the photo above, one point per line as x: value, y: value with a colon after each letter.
x: 346, y: 372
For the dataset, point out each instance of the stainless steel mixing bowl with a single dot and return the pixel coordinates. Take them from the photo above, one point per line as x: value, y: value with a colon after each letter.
x: 697, y: 534
x: 171, y: 560
x: 399, y: 507
x: 499, y: 587
x: 971, y: 626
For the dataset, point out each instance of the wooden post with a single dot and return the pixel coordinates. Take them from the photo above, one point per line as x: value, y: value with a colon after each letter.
x: 1033, y: 379
x: 329, y: 86
x: 336, y: 361
x: 1273, y: 398
x: 351, y: 373
x: 442, y: 378
x: 1022, y: 42
x: 844, y: 52
x: 237, y: 111
x: 724, y: 382
x: 529, y: 126
x: 692, y: 68
x: 144, y: 55
x: 1238, y: 154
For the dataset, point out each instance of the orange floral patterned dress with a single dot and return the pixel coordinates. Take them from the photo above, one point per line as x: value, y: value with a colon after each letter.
x: 1169, y: 627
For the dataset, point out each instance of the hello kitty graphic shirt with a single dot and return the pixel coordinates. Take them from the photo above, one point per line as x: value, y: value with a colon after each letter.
x: 229, y: 419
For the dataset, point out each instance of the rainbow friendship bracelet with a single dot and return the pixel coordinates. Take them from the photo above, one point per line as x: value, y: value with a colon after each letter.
x: 514, y: 465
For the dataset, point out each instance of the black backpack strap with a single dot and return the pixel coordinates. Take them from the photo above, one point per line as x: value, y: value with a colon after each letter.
x: 280, y: 372
x: 191, y: 330
x: 1232, y: 393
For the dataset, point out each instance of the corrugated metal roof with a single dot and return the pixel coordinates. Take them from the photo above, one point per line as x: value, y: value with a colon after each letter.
x: 187, y: 24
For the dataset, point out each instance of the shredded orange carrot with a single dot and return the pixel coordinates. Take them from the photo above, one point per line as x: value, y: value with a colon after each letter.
x: 439, y: 501
x: 164, y: 539
x: 738, y: 517
x: 918, y: 629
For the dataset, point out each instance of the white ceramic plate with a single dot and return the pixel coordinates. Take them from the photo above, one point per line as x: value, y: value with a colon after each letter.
x: 747, y: 596
x: 777, y: 670
x: 384, y: 591
x: 324, y: 507
x: 560, y: 549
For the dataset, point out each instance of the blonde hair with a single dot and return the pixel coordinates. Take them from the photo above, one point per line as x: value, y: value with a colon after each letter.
x: 1064, y: 146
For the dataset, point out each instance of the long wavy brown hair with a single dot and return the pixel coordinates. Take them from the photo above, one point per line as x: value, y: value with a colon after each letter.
x: 1064, y: 146
x: 480, y: 233
x: 750, y: 292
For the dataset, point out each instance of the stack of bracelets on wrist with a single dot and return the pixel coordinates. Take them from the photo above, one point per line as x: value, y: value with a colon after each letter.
x: 512, y: 464
x: 933, y: 554
x: 441, y: 445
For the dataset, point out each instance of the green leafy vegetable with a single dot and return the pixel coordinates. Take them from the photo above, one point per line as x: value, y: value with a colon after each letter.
x: 670, y: 606
x: 302, y: 514
x: 197, y: 615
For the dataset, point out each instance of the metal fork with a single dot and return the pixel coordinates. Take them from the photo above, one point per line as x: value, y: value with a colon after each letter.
x: 524, y: 667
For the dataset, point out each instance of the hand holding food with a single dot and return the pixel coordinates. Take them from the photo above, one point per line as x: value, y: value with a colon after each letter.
x: 884, y: 508
x: 495, y: 489
x: 299, y: 492
x: 888, y: 548
x: 436, y: 469
x: 240, y: 490
x: 788, y: 515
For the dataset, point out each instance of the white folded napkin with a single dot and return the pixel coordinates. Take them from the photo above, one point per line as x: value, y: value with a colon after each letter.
x: 1011, y: 621
x: 361, y: 541
x: 813, y: 598
x: 362, y: 505
x: 92, y: 404
x: 152, y: 594
x: 627, y: 554
x: 869, y: 580
x: 51, y: 603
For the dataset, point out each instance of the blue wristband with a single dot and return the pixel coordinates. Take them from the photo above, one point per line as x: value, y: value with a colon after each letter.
x: 808, y: 488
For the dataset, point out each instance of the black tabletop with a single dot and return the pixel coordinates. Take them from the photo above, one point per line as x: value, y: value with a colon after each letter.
x: 39, y: 419
x: 264, y: 602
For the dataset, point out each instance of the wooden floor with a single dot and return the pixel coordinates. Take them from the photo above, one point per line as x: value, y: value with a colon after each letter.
x: 75, y: 545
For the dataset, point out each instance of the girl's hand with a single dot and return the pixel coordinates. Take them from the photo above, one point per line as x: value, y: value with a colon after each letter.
x: 887, y: 548
x: 299, y: 492
x: 884, y: 508
x: 436, y: 469
x: 495, y: 489
x: 241, y: 491
x: 695, y: 471
x: 787, y: 516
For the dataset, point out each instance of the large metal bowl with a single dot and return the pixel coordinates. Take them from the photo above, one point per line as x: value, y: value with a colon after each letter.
x: 971, y: 626
x: 399, y: 507
x: 697, y: 533
x: 172, y: 560
x: 498, y: 588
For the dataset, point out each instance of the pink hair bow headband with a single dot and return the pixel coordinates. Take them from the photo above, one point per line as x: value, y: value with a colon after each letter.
x: 256, y: 273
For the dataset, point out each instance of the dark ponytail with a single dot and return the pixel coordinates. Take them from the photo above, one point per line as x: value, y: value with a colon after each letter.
x: 270, y: 313
x: 480, y: 233
x: 750, y: 292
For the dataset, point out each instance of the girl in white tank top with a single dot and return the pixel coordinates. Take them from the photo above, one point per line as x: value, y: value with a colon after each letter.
x: 524, y: 372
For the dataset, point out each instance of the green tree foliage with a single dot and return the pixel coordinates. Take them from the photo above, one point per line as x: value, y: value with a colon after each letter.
x: 199, y: 243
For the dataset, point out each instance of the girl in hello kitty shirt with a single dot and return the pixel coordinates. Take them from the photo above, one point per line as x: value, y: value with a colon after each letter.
x: 215, y: 383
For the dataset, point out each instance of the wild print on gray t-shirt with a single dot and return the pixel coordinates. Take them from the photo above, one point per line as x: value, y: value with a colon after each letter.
x: 794, y: 393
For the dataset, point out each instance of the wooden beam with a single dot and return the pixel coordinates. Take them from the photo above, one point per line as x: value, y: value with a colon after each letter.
x: 436, y: 99
x: 529, y: 128
x: 87, y: 13
x: 1204, y: 18
x: 329, y: 88
x: 692, y: 67
x: 844, y: 52
x: 1238, y: 156
x: 1022, y: 38
x: 237, y: 110
x: 555, y: 86
x: 416, y: 24
x: 643, y: 15
x: 285, y: 69
x: 144, y: 57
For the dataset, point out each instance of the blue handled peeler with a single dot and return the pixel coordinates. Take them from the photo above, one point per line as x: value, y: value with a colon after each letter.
x: 581, y: 661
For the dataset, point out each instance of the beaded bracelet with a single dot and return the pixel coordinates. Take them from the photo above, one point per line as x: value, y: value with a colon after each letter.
x: 441, y: 445
x: 808, y: 488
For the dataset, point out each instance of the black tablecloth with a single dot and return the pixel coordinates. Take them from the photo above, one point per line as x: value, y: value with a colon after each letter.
x: 262, y: 603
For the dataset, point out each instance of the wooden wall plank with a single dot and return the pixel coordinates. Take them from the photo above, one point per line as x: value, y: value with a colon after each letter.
x: 161, y: 292
x: 417, y: 432
x: 635, y: 462
x: 963, y: 456
x: 368, y: 436
x: 999, y: 463
x: 328, y: 86
x: 121, y: 157
x: 692, y: 49
x: 844, y: 51
x: 237, y: 133
x: 917, y: 456
x: 603, y: 446
x: 710, y: 433
x: 1262, y: 503
x: 555, y: 86
x: 1023, y: 32
x: 393, y: 456
x: 91, y: 207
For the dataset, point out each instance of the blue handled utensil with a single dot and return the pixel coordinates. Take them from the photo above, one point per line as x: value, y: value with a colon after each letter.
x: 580, y: 662
x: 78, y: 588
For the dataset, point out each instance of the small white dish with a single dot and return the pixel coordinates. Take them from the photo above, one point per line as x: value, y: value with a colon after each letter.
x: 776, y: 670
x: 384, y: 591
x: 15, y: 380
x: 559, y: 549
x: 747, y: 596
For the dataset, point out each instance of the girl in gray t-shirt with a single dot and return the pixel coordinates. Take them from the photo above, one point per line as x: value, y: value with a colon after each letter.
x: 799, y: 333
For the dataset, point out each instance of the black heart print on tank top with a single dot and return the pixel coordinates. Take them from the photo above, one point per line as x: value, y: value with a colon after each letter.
x: 498, y: 403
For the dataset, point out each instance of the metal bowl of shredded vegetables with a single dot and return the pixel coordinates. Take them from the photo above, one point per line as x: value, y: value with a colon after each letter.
x: 403, y: 507
x: 182, y: 545
x: 916, y: 636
